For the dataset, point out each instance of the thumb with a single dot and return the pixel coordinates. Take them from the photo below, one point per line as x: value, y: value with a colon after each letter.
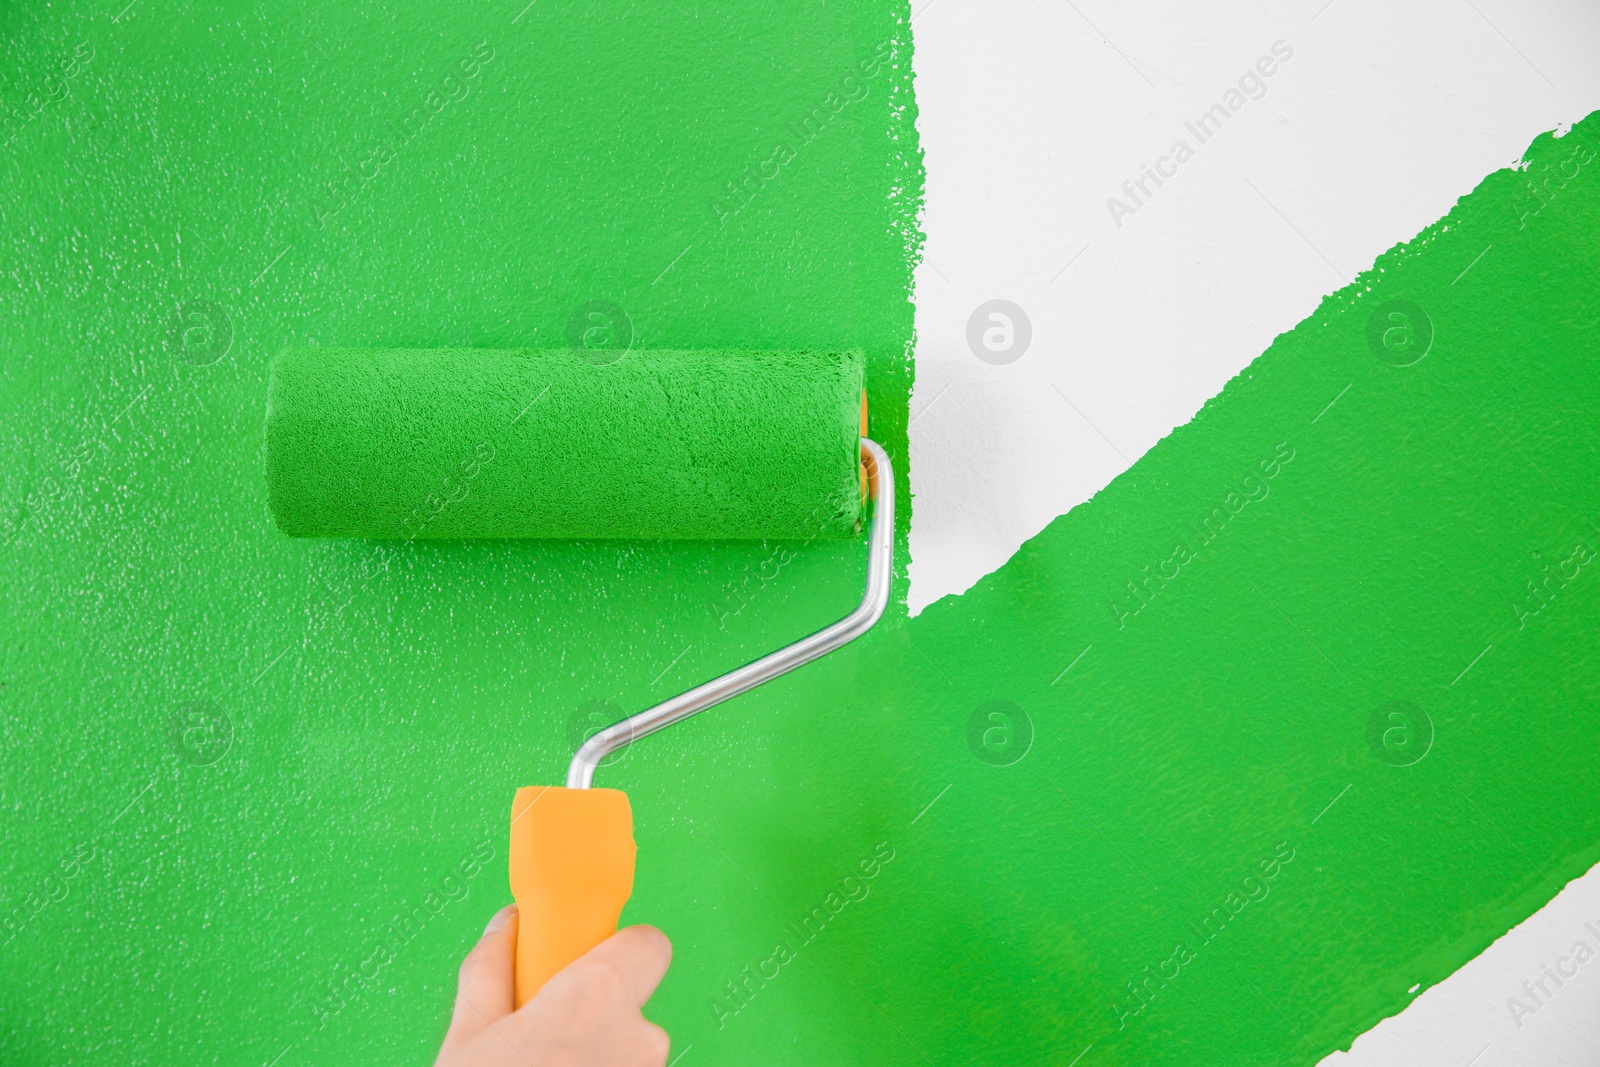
x: 639, y: 955
x: 484, y: 990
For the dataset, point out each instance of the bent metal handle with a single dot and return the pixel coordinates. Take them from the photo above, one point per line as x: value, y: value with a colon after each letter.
x: 880, y: 568
x: 572, y: 857
x: 572, y: 849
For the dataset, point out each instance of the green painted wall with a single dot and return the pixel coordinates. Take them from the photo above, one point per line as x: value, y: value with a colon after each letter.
x: 233, y: 762
x: 200, y: 188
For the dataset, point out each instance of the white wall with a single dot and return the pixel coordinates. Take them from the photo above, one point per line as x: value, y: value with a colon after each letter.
x: 1483, y: 1016
x: 1033, y: 113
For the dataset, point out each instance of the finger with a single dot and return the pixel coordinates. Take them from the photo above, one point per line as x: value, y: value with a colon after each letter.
x: 638, y: 955
x: 657, y: 1045
x: 484, y: 989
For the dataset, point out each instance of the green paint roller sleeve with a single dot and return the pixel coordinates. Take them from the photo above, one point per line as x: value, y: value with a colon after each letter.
x: 455, y: 443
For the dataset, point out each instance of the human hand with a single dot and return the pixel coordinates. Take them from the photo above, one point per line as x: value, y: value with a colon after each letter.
x: 586, y: 1015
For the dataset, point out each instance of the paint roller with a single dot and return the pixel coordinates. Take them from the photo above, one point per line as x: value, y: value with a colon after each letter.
x: 665, y: 444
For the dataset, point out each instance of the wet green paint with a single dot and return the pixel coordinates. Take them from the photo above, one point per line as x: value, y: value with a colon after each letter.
x: 266, y: 781
x: 1329, y: 745
x: 1311, y: 688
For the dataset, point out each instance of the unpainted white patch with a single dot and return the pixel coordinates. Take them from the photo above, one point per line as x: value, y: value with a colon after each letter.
x: 1040, y: 117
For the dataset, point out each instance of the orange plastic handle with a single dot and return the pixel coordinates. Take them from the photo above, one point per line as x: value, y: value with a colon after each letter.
x: 572, y: 857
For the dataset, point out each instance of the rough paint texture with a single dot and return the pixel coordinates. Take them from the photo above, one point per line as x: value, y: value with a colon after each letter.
x: 254, y: 788
x: 214, y: 185
x: 455, y: 443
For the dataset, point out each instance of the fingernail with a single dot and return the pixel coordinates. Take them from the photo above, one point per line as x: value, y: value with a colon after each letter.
x: 500, y: 919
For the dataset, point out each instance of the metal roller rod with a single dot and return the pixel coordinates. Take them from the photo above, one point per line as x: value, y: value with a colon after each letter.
x: 880, y: 559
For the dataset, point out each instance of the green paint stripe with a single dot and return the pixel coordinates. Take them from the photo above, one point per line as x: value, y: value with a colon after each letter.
x: 1350, y: 612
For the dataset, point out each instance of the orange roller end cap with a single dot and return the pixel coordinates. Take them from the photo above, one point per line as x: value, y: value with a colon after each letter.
x: 572, y: 859
x: 863, y: 463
